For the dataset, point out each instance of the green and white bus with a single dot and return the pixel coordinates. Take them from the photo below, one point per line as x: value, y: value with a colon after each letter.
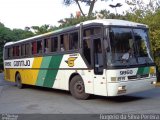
x: 105, y: 57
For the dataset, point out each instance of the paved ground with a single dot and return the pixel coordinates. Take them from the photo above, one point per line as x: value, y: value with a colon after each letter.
x: 40, y: 100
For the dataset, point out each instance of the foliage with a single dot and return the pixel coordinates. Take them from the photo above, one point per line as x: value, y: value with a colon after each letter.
x: 21, y: 34
x: 89, y: 3
x: 150, y: 5
x: 7, y: 35
x: 41, y: 29
x: 152, y: 20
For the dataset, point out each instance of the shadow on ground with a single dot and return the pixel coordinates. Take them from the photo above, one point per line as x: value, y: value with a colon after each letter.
x: 117, y: 99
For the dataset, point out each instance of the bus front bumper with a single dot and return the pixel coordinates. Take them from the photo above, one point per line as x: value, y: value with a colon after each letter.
x: 122, y: 88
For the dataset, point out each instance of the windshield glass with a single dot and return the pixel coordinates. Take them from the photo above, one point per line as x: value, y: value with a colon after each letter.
x: 128, y: 46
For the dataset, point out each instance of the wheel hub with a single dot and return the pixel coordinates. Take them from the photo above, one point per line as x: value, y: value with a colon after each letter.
x: 79, y: 87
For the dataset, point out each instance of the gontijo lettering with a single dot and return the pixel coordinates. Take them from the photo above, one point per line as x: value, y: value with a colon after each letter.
x: 22, y: 63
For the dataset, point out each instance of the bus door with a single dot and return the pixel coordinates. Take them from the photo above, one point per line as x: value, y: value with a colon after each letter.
x: 99, y: 71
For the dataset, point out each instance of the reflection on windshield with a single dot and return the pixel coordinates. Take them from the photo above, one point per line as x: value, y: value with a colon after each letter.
x: 126, y: 49
x: 142, y: 44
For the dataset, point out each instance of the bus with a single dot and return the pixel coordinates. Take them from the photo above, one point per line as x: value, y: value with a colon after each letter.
x: 105, y: 57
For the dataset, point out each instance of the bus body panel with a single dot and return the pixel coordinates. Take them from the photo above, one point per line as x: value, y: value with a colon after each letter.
x: 130, y: 87
x: 125, y: 81
x: 50, y: 71
x: 55, y: 71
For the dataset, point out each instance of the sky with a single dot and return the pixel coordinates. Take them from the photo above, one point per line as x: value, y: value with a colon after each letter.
x: 27, y: 13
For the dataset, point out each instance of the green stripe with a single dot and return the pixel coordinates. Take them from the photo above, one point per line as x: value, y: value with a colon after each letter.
x: 51, y: 74
x: 146, y: 70
x: 143, y: 70
x: 42, y: 73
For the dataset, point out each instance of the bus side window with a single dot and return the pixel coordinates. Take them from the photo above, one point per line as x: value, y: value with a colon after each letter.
x: 16, y: 51
x: 73, y: 41
x: 92, y: 31
x: 34, y: 47
x: 54, y: 44
x: 23, y: 50
x: 64, y: 42
x: 27, y: 49
x: 5, y: 53
x: 10, y: 52
x: 39, y: 47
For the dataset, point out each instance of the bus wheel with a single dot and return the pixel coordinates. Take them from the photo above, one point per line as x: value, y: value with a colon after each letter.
x: 19, y: 81
x: 77, y: 88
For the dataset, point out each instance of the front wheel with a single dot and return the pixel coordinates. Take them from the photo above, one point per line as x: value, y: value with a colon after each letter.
x: 19, y: 81
x: 77, y: 88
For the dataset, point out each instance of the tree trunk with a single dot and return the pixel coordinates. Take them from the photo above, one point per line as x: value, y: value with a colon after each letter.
x: 91, y: 8
x: 80, y: 8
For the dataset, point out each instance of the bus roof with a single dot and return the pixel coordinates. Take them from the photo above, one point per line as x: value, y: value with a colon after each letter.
x: 107, y: 22
x: 115, y: 22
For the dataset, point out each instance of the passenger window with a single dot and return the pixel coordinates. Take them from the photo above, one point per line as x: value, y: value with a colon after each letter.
x: 73, y: 41
x: 54, y: 44
x: 34, y: 48
x: 23, y: 50
x: 37, y: 47
x: 6, y: 53
x: 27, y: 49
x: 64, y: 42
x: 16, y: 51
x: 92, y: 31
x: 51, y: 44
x: 10, y: 52
x: 47, y: 47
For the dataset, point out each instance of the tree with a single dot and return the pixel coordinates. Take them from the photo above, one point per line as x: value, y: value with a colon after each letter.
x: 89, y: 3
x: 150, y: 5
x: 41, y: 29
x: 7, y: 35
x: 19, y: 34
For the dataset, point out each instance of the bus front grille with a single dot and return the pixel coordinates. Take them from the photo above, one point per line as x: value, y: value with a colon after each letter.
x: 138, y: 76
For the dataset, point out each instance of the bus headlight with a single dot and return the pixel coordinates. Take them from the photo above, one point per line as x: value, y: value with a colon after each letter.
x: 152, y: 74
x: 113, y: 79
x: 153, y: 82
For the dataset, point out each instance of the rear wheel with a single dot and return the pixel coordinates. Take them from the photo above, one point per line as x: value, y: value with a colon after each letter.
x: 77, y: 88
x: 19, y: 81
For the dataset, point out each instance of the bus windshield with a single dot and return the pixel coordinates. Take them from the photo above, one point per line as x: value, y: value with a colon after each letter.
x: 128, y: 46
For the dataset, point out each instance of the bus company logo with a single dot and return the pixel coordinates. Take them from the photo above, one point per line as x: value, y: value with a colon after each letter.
x: 70, y: 61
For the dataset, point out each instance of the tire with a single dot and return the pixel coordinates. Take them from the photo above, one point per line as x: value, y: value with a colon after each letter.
x: 19, y: 81
x: 77, y: 88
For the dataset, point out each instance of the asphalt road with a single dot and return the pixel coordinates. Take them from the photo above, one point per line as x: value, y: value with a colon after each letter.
x: 39, y: 100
